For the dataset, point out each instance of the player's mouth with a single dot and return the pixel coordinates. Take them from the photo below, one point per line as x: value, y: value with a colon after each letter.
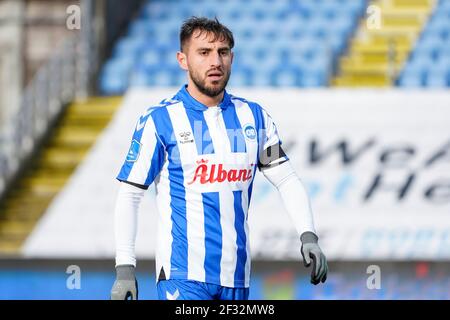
x: 215, y: 75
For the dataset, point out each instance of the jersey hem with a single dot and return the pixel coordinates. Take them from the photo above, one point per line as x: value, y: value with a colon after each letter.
x: 184, y: 276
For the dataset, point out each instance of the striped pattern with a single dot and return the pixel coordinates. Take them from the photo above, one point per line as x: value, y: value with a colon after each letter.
x: 203, y: 162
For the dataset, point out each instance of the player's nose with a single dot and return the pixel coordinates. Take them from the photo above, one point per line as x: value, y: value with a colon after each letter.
x: 216, y: 60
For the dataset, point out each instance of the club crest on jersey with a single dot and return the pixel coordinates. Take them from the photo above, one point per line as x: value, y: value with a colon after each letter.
x: 185, y: 137
x: 250, y: 132
x: 133, y: 153
x: 216, y: 173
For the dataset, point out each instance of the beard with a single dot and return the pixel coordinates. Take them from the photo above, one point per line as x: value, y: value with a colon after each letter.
x: 213, y: 90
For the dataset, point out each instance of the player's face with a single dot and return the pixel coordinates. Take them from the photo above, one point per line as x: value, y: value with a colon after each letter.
x: 208, y: 62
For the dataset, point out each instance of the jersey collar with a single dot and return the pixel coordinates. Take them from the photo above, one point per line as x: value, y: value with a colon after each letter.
x: 190, y: 102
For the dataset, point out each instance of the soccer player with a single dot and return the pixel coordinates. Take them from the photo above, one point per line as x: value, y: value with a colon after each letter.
x: 201, y: 148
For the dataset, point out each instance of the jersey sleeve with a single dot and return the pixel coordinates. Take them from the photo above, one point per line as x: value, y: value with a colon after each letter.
x: 145, y: 156
x: 270, y: 136
x: 271, y: 152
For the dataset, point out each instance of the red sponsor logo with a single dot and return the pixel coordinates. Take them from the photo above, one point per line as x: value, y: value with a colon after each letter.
x: 216, y: 173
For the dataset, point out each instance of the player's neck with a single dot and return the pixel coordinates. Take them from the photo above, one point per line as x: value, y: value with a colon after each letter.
x: 203, y: 98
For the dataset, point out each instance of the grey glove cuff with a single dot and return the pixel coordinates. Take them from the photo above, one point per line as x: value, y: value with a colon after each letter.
x: 125, y: 272
x: 309, y: 237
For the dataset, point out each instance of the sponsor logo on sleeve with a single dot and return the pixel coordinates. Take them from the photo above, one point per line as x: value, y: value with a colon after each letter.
x: 133, y: 153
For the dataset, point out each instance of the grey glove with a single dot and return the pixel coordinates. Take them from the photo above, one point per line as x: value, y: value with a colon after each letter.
x: 311, y: 250
x: 125, y: 287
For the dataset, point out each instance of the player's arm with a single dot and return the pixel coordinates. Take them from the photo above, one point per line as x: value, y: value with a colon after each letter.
x: 142, y: 165
x: 125, y: 229
x: 276, y: 167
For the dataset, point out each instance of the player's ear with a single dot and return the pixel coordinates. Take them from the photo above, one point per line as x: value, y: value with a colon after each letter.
x: 182, y: 60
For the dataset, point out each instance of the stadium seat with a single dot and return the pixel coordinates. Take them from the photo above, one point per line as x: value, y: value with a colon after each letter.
x: 437, y: 79
x: 139, y: 78
x: 129, y: 47
x: 410, y: 79
x: 285, y: 76
x: 313, y: 77
x: 299, y: 33
x: 261, y: 78
x: 429, y: 63
x: 112, y: 84
x: 241, y: 76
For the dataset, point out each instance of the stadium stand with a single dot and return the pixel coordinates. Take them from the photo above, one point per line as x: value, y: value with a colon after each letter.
x: 282, y: 43
x: 313, y: 43
x: 55, y: 122
x: 383, y: 42
x: 429, y: 63
x: 70, y: 141
x: 306, y: 40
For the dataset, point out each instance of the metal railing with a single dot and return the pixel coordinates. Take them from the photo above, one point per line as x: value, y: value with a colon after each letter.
x: 66, y: 75
x: 53, y: 87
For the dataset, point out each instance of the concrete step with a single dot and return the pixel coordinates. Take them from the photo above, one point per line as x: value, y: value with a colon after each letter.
x: 363, y: 80
x: 412, y: 3
x: 10, y: 248
x: 75, y: 137
x: 50, y: 170
x: 45, y: 181
x: 365, y: 68
x: 372, y: 58
x: 396, y: 31
x: 363, y: 48
x: 24, y: 214
x: 386, y: 39
x: 62, y: 158
x: 14, y: 229
x: 87, y: 120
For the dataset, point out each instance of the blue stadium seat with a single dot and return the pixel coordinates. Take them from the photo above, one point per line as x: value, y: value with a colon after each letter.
x: 111, y: 85
x: 139, y: 78
x: 439, y: 27
x: 157, y: 10
x: 140, y: 28
x: 114, y: 76
x: 285, y: 76
x: 429, y: 64
x: 313, y: 77
x: 165, y: 76
x: 344, y: 26
x: 410, y: 78
x: 150, y: 57
x: 261, y: 77
x: 129, y: 46
x: 422, y: 64
x: 305, y: 35
x: 444, y: 7
x: 437, y: 79
x: 438, y: 75
x: 431, y: 44
x: 242, y: 76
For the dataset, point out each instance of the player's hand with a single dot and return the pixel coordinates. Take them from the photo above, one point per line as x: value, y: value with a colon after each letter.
x: 125, y: 287
x: 311, y: 251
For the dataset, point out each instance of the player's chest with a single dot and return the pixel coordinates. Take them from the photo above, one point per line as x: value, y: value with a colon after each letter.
x: 213, y: 152
x: 218, y: 136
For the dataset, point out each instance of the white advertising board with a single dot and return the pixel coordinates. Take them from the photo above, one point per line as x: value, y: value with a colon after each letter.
x: 376, y: 164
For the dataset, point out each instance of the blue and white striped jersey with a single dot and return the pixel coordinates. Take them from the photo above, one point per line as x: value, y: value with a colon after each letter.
x: 202, y: 161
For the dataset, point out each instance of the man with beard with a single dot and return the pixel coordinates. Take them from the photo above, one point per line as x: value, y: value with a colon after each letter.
x: 201, y: 149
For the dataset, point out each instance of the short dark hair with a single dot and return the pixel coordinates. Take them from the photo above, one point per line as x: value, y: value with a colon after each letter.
x: 213, y: 26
